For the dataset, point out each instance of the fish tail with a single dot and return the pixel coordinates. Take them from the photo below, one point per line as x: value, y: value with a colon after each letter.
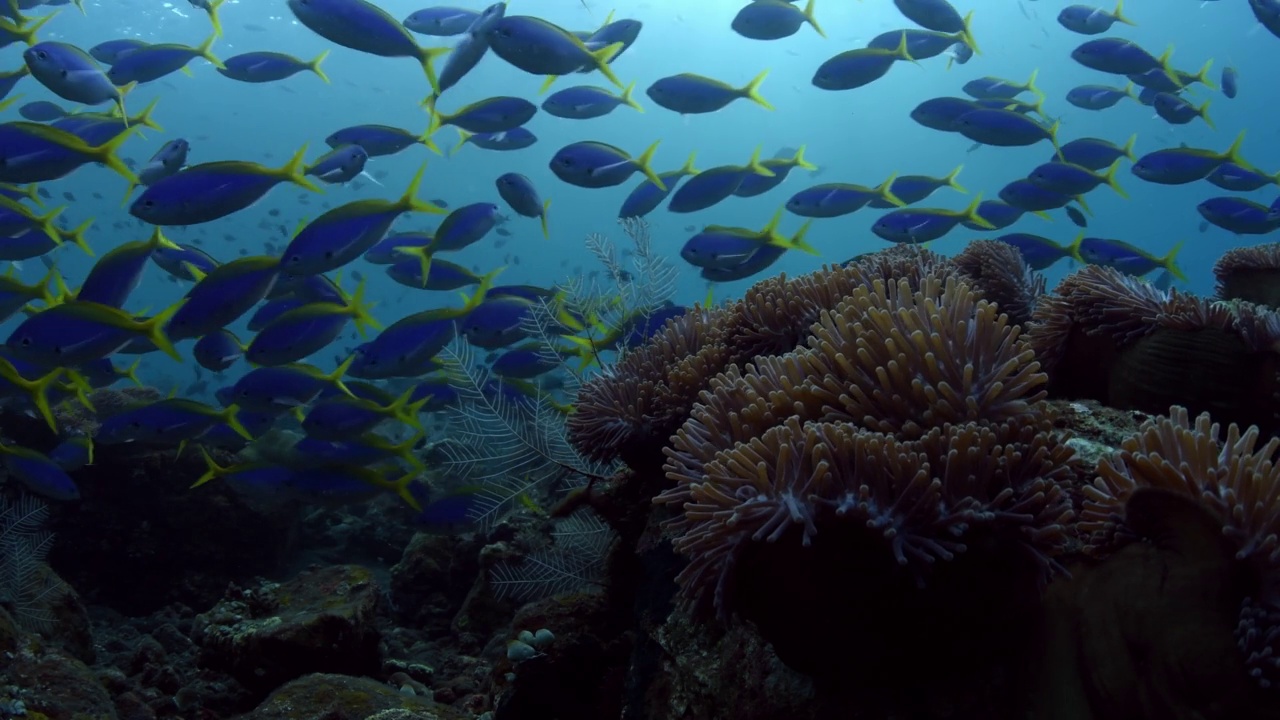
x: 1053, y: 137
x: 757, y: 167
x: 1127, y: 150
x: 360, y: 311
x: 688, y: 168
x: 107, y: 154
x: 1030, y: 86
x: 1203, y: 112
x: 482, y: 290
x: 546, y: 84
x: 154, y: 329
x: 213, y: 471
x: 1073, y: 250
x: 546, y: 205
x: 885, y: 191
x: 971, y: 214
x: 1232, y: 155
x: 411, y: 201
x: 966, y: 33
x: 950, y: 180
x: 1128, y: 91
x: 45, y: 223
x: 206, y: 50
x: 214, y: 20
x: 1118, y: 15
x: 645, y: 165
x: 1110, y: 178
x: 630, y: 101
x: 1169, y: 71
x: 901, y: 52
x: 403, y: 491
x: 600, y: 58
x: 295, y: 171
x: 427, y: 56
x: 314, y: 66
x: 424, y: 260
x: 809, y: 18
x: 797, y: 241
x: 463, y: 137
x: 144, y: 118
x: 426, y: 138
x: 121, y: 92
x: 1203, y: 76
x: 158, y: 240
x: 41, y: 287
x: 1167, y: 262
x: 751, y: 91
x: 800, y: 162
x: 37, y: 390
x: 401, y: 409
x: 335, y: 377
x: 28, y: 34
x: 231, y: 416
x: 77, y: 237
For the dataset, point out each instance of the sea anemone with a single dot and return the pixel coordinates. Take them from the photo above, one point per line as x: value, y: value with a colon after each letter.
x: 1108, y: 337
x: 630, y: 410
x: 1232, y: 478
x: 1251, y: 274
x: 1000, y: 275
x: 889, y: 420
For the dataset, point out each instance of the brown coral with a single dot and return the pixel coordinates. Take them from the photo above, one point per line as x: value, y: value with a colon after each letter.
x: 1251, y: 274
x: 1109, y: 337
x: 1233, y: 478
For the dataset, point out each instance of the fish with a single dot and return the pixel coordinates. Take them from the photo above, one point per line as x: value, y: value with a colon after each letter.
x: 491, y: 115
x: 755, y: 184
x: 774, y: 20
x: 591, y: 164
x: 1176, y: 110
x: 584, y: 102
x: 1099, y: 97
x: 831, y: 200
x: 72, y: 74
x: 287, y: 387
x: 713, y: 185
x: 507, y: 140
x: 209, y: 191
x: 853, y: 69
x: 365, y: 27
x: 1076, y: 216
x: 172, y: 421
x: 211, y: 8
x: 263, y: 67
x: 218, y: 351
x: 688, y: 93
x: 32, y: 152
x: 303, y: 331
x: 921, y: 225
x: 1127, y: 258
x: 380, y: 140
x: 647, y: 196
x: 911, y: 189
x: 1230, y: 82
x: 539, y: 47
x: 723, y: 247
x: 184, y: 262
x: 168, y: 160
x: 523, y: 199
x: 110, y: 52
x: 1230, y: 176
x: 73, y: 453
x: 75, y: 333
x: 42, y: 111
x: 996, y: 88
x: 1069, y: 179
x: 1041, y: 253
x: 225, y: 293
x: 471, y: 49
x: 440, y: 21
x: 1087, y: 20
x: 116, y: 274
x: 1005, y: 128
x: 1239, y: 215
x: 1031, y: 197
x: 936, y: 15
x: 1181, y: 165
x: 39, y: 474
x: 1095, y: 153
x: 340, y: 165
x: 153, y: 62
x: 340, y: 418
x: 1121, y: 57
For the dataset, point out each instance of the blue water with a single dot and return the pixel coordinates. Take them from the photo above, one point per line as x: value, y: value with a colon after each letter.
x: 858, y: 136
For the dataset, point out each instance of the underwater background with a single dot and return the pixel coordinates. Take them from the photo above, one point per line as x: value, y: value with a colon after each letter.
x: 605, y: 465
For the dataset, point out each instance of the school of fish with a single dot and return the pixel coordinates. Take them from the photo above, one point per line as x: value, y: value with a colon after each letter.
x: 270, y: 327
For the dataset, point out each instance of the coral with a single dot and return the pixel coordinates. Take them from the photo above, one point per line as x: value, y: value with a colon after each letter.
x: 1105, y: 336
x: 1233, y: 478
x: 1251, y: 274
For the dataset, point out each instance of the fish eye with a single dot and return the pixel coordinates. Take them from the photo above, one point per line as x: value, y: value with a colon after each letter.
x: 25, y: 342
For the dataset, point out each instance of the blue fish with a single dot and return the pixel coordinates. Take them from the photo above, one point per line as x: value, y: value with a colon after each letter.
x: 599, y: 165
x: 274, y: 390
x: 774, y: 20
x: 363, y: 26
x: 584, y: 102
x: 711, y: 186
x: 522, y: 197
x: 1088, y: 20
x: 440, y: 21
x: 184, y: 262
x: 204, y: 193
x: 505, y: 141
x: 262, y: 67
x: 1040, y: 252
x: 339, y: 165
x: 380, y: 140
x: 39, y: 474
x: 166, y: 422
x: 222, y: 296
x: 218, y: 350
x: 73, y: 453
x: 1095, y: 153
x: 647, y: 196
